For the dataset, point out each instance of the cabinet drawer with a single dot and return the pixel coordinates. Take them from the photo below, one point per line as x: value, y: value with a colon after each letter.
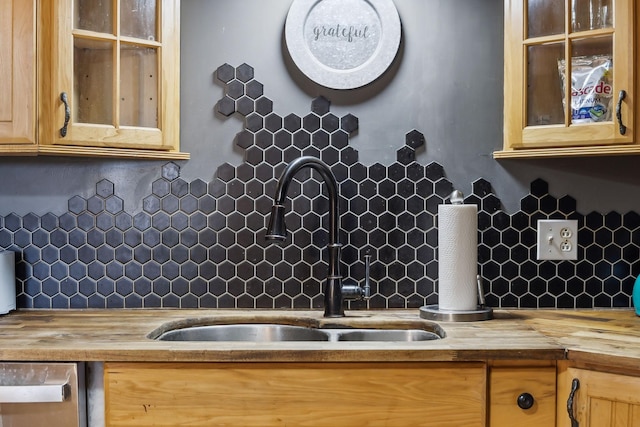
x: 508, y: 383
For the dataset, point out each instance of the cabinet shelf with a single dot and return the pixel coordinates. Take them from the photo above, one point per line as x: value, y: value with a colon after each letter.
x: 532, y: 153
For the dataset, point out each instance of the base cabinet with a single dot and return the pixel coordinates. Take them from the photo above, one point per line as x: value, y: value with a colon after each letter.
x: 295, y: 394
x: 601, y: 399
x: 430, y: 394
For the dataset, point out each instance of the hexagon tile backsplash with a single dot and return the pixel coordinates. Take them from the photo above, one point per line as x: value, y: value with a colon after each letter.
x: 201, y: 244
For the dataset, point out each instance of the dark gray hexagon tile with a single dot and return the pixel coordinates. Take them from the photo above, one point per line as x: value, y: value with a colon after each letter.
x: 254, y: 89
x: 226, y: 106
x: 245, y: 106
x: 320, y: 106
x: 104, y: 188
x: 264, y: 106
x: 235, y: 89
x: 225, y: 73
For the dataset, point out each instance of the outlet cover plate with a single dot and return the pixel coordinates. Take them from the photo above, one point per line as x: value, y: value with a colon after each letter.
x: 557, y: 239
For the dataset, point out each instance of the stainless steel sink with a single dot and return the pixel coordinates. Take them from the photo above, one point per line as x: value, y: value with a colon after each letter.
x: 266, y: 332
x: 245, y: 332
x: 390, y: 335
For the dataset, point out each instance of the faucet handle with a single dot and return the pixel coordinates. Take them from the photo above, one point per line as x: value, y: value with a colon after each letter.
x: 353, y: 291
x: 367, y: 277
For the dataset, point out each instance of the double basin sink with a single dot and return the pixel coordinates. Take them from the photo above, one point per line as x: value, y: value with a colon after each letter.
x: 283, y: 332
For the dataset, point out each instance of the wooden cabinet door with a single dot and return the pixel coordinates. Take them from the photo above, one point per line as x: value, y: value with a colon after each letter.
x: 118, y: 69
x: 295, y: 394
x: 508, y: 383
x: 17, y: 73
x: 542, y: 115
x: 602, y: 399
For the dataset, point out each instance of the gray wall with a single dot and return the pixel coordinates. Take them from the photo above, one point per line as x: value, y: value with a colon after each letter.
x: 198, y: 241
x: 446, y: 82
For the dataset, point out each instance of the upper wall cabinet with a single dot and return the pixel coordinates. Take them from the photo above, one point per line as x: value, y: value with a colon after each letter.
x: 111, y: 83
x: 17, y: 75
x: 569, y: 84
x: 106, y: 83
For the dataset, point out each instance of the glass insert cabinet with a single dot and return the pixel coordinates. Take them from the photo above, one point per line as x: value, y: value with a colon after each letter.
x: 569, y: 78
x: 114, y: 75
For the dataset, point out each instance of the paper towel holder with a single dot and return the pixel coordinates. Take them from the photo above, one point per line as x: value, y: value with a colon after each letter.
x: 482, y: 312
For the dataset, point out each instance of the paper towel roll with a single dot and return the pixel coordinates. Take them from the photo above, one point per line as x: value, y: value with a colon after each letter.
x: 7, y: 281
x: 458, y: 257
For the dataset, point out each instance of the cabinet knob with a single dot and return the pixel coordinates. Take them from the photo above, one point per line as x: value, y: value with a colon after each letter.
x: 525, y: 401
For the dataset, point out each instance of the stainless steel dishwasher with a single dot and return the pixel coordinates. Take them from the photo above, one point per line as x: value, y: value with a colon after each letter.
x: 42, y: 394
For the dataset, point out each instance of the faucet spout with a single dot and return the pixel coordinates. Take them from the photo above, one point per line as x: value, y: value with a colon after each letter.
x: 277, y: 231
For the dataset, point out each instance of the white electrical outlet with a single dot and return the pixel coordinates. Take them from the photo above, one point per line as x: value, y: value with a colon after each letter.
x: 558, y: 239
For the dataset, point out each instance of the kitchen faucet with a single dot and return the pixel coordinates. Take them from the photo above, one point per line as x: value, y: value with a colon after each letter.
x: 335, y: 292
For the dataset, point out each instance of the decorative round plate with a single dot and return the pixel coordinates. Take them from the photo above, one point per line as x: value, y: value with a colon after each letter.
x: 343, y: 44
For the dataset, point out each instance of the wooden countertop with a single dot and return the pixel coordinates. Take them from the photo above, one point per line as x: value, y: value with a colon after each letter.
x: 608, y: 336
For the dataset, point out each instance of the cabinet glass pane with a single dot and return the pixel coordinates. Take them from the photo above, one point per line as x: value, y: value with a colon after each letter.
x: 592, y: 80
x: 591, y: 14
x: 545, y: 17
x: 544, y: 88
x: 138, y: 19
x: 93, y: 81
x: 93, y: 15
x: 138, y: 86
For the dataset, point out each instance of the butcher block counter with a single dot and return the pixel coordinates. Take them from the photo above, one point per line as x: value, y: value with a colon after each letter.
x: 599, y: 336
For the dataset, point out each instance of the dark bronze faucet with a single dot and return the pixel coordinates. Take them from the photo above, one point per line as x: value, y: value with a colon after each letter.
x: 334, y: 290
